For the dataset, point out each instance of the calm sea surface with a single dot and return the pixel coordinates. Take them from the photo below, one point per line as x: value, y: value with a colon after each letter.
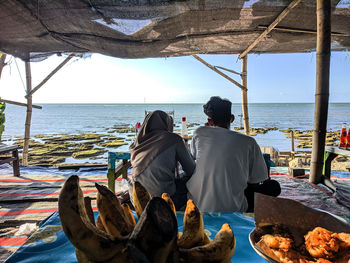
x: 82, y: 118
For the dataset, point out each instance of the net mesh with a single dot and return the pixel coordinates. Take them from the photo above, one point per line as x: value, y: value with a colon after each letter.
x: 35, y: 29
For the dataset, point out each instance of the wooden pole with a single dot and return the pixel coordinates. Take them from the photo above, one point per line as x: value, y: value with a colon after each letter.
x: 50, y: 75
x: 292, y: 153
x: 20, y: 104
x: 2, y: 62
x: 29, y: 115
x: 245, y: 95
x: 282, y: 15
x: 229, y: 70
x: 218, y: 71
x: 322, y: 88
x: 306, y: 31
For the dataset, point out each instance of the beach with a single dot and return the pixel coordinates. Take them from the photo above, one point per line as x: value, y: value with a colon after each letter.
x: 111, y: 127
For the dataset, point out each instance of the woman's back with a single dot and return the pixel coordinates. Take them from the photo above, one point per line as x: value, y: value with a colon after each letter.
x: 155, y: 154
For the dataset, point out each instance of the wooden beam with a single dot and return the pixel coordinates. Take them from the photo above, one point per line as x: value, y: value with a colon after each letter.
x: 28, y: 116
x: 229, y: 70
x: 219, y: 72
x: 282, y: 15
x: 323, y: 53
x: 245, y: 96
x: 306, y: 31
x: 50, y: 75
x: 20, y: 104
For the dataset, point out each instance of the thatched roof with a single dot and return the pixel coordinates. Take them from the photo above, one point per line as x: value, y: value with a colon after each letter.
x: 162, y: 28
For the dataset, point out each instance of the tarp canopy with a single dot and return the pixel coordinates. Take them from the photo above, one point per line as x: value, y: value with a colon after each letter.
x: 34, y: 29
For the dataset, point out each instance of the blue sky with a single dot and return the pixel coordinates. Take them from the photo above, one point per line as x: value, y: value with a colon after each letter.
x: 101, y: 79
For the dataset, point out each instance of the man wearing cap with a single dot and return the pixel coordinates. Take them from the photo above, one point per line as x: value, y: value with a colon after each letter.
x: 229, y: 165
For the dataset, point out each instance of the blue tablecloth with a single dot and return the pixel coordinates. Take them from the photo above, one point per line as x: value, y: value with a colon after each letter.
x: 50, y: 244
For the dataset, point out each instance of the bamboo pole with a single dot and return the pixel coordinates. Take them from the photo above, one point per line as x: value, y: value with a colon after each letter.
x: 306, y: 31
x: 270, y: 27
x: 218, y: 71
x: 322, y: 88
x: 29, y: 115
x: 229, y: 70
x: 20, y: 104
x: 245, y: 95
x: 2, y: 62
x: 50, y: 75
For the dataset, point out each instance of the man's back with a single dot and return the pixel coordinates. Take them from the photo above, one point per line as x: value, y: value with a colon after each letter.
x: 225, y: 162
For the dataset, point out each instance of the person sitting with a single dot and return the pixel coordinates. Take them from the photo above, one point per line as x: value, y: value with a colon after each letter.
x: 227, y: 163
x: 155, y: 154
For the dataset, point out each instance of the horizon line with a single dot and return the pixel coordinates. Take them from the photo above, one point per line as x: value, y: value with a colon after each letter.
x: 175, y: 103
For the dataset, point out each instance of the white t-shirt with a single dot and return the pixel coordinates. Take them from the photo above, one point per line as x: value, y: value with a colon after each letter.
x: 225, y: 162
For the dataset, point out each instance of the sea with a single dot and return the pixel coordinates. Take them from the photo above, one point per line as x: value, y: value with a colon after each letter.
x: 86, y: 118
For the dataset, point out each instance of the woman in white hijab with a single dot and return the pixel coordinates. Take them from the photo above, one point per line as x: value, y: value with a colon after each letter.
x: 155, y: 155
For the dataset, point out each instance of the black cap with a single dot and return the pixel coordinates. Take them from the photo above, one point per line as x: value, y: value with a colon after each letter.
x: 218, y: 109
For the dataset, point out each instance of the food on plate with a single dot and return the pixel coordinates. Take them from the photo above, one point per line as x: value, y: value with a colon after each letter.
x: 320, y: 246
x: 321, y: 243
x: 278, y: 242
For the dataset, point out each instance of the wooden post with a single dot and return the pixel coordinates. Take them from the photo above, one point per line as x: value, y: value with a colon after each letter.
x: 322, y: 88
x: 245, y: 95
x: 29, y: 115
x: 50, y: 75
x: 292, y: 138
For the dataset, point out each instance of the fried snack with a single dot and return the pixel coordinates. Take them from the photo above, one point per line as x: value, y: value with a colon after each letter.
x: 277, y: 242
x: 279, y: 247
x: 320, y: 243
x: 322, y: 260
x: 344, y: 239
x: 321, y: 246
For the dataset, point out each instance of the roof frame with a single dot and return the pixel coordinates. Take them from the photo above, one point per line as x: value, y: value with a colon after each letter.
x: 282, y: 15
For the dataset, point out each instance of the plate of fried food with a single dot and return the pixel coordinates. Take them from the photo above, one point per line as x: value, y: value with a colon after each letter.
x: 299, y: 234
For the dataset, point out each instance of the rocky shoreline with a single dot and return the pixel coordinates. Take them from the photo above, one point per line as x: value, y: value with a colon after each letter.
x: 59, y: 150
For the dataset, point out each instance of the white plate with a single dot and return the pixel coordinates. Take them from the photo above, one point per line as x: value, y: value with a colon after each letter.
x: 257, y: 249
x: 267, y: 258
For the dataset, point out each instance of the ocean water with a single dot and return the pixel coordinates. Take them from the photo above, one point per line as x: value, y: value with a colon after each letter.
x: 83, y: 118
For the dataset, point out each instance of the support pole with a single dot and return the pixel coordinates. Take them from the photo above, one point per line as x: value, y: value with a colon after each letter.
x: 50, y: 75
x: 322, y: 88
x: 245, y: 95
x: 29, y: 115
x: 218, y: 71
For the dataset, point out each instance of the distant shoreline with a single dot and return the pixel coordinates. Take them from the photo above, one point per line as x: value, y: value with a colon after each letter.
x: 180, y: 103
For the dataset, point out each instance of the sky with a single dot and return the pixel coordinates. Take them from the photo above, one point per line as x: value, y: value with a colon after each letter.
x: 272, y: 78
